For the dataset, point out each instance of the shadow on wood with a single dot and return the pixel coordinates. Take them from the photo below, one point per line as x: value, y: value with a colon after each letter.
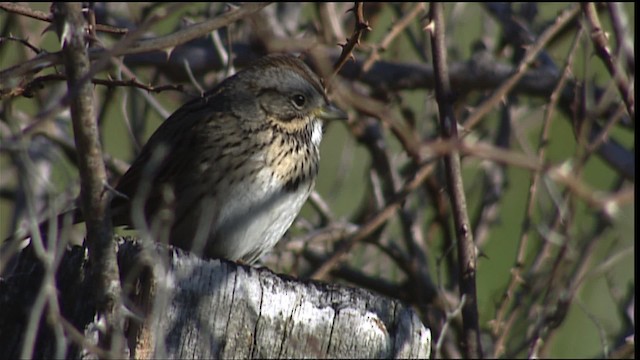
x: 195, y: 308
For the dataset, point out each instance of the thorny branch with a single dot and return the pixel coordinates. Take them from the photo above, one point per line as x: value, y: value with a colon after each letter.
x: 380, y: 219
x: 95, y: 200
x: 532, y: 52
x: 347, y: 49
x: 39, y: 15
x: 393, y: 33
x: 602, y: 50
x: 159, y: 43
x: 467, y: 262
x: 40, y: 81
x: 516, y: 276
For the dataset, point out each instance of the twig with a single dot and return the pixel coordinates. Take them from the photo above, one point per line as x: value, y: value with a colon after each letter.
x: 373, y: 224
x: 50, y: 257
x: 194, y: 31
x: 602, y: 50
x: 516, y: 276
x: 395, y: 30
x: 471, y: 345
x: 39, y: 15
x: 347, y: 48
x: 624, y: 45
x: 565, y: 17
x: 375, y: 108
x: 8, y: 76
x: 321, y: 207
x: 28, y: 89
x: 22, y: 41
x: 100, y: 63
x: 356, y: 276
x: 95, y: 202
x: 450, y: 316
x: 331, y: 21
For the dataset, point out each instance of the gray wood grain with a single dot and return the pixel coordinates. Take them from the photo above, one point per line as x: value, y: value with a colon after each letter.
x: 195, y: 308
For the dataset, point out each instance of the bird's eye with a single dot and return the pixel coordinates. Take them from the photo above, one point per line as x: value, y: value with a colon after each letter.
x: 299, y: 100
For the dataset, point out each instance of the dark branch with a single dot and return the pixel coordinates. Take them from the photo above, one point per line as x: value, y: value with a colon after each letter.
x: 466, y: 247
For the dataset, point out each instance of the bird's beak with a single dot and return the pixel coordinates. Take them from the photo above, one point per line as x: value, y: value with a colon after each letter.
x: 330, y: 112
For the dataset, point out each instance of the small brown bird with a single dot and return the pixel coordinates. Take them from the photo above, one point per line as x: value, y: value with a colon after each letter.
x: 233, y: 167
x: 240, y: 162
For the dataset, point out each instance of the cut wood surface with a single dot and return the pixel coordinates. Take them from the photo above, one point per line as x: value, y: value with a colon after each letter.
x: 195, y: 308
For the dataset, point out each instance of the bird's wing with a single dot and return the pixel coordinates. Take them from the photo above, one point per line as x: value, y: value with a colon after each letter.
x: 163, y: 160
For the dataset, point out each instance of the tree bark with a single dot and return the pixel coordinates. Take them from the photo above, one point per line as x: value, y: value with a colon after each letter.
x: 186, y: 307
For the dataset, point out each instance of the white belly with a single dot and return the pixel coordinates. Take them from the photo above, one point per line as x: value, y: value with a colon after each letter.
x: 255, y: 219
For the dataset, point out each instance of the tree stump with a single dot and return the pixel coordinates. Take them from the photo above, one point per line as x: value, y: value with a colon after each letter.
x: 182, y: 306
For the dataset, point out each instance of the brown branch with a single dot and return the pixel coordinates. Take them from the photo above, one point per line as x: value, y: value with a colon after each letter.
x: 125, y: 45
x: 100, y: 63
x: 24, y: 42
x: 359, y: 28
x: 530, y: 56
x: 516, y: 272
x: 373, y: 224
x: 370, y: 134
x: 375, y: 108
x: 40, y: 15
x: 128, y: 45
x: 471, y: 345
x: 602, y: 50
x: 95, y: 202
x: 624, y: 45
x: 28, y: 89
x: 194, y: 31
x: 475, y: 75
x: 395, y: 30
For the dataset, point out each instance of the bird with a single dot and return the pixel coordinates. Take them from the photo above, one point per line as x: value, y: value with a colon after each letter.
x: 233, y: 167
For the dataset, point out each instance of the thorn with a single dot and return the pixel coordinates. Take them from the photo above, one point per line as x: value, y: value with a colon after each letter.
x: 65, y: 33
x: 169, y: 51
x: 429, y: 27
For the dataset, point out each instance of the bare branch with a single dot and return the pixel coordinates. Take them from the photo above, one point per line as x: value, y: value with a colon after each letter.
x: 464, y: 234
x: 39, y: 15
x: 602, y: 50
x: 360, y: 26
x: 516, y: 274
x: 365, y: 230
x: 95, y: 202
x: 532, y: 52
x: 395, y: 30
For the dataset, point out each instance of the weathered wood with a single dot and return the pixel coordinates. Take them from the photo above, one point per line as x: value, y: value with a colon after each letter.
x: 195, y: 308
